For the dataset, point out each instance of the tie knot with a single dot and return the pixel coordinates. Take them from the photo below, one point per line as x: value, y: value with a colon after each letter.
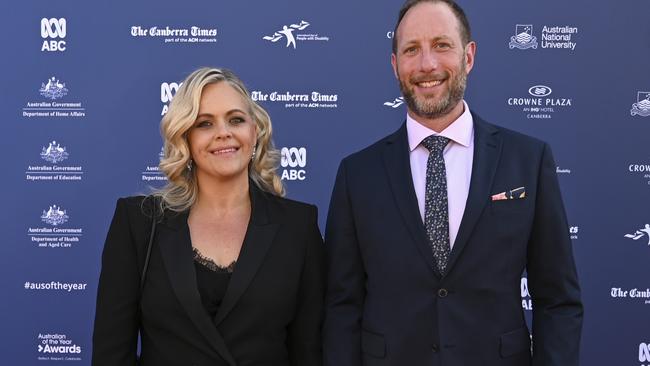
x: 435, y: 143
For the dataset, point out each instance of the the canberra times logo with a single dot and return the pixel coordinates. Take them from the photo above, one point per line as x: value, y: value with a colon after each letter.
x: 293, y: 161
x: 53, y: 32
x: 172, y: 35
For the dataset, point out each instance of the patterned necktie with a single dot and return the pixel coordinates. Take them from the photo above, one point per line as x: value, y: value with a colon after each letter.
x: 436, y: 215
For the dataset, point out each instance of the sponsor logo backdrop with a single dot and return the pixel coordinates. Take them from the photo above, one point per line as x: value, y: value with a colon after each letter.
x: 86, y: 84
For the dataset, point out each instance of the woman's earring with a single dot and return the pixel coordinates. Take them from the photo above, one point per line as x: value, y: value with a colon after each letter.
x: 189, y: 165
x: 254, y: 150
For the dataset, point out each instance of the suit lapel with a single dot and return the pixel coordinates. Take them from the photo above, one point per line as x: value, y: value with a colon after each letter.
x: 398, y: 169
x: 176, y: 250
x: 487, y: 150
x: 257, y: 241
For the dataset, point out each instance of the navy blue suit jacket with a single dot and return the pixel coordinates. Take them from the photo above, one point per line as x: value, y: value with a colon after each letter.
x: 387, y: 305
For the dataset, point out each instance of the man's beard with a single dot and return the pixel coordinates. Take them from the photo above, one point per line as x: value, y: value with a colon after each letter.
x: 432, y: 108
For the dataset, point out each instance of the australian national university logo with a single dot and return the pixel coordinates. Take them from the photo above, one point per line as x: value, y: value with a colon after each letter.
x: 642, y: 105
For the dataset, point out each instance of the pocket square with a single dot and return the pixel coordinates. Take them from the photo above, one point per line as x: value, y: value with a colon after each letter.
x: 512, y: 194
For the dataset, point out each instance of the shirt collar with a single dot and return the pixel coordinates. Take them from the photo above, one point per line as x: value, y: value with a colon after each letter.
x: 460, y: 131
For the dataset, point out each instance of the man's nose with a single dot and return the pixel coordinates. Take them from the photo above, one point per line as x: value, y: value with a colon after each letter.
x: 428, y: 61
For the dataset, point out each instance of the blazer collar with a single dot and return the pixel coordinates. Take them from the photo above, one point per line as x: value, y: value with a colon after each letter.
x: 487, y: 149
x: 174, y: 239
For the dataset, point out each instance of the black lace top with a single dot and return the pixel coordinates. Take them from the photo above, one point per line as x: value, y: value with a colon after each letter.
x: 212, y: 281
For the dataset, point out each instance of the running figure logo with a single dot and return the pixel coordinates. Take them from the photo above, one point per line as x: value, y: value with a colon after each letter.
x: 287, y: 32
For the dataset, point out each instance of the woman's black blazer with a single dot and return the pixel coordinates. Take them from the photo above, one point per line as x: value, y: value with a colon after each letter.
x: 271, y: 313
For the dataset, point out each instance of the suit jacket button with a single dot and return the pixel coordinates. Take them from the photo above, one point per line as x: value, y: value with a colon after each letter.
x: 442, y: 292
x: 434, y: 348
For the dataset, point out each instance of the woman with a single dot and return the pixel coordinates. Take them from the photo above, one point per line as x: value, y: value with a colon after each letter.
x: 235, y: 275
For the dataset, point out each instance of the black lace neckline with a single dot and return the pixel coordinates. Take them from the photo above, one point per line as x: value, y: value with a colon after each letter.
x: 210, y: 264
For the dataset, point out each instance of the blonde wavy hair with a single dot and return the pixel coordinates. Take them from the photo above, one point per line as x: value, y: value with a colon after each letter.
x: 181, y: 191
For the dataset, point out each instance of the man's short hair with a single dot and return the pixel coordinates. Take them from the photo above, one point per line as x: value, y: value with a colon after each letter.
x: 465, y: 31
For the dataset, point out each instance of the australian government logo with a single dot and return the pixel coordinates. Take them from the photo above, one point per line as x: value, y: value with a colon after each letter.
x: 53, y: 91
x: 175, y: 35
x: 293, y: 34
x: 152, y: 173
x: 293, y: 161
x: 313, y: 99
x: 642, y: 106
x: 167, y: 92
x: 52, y: 166
x: 54, y: 233
x: 57, y: 347
x: 53, y: 32
x: 540, y: 103
x: 552, y: 37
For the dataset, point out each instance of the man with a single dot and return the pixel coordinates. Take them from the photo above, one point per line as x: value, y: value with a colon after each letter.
x: 430, y: 229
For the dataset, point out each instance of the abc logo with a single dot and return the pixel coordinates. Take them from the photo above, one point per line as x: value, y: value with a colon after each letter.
x: 53, y: 28
x: 293, y: 157
x: 167, y: 91
x: 644, y: 352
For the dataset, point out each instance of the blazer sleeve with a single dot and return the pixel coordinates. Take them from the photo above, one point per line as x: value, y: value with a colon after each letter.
x: 304, y: 333
x: 116, y: 319
x: 552, y: 277
x: 345, y: 292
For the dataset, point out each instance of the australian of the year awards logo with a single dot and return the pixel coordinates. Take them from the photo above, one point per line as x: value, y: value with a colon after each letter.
x: 313, y: 99
x: 53, y: 104
x: 152, y: 173
x: 53, y: 231
x: 641, y: 234
x: 552, y: 37
x: 526, y: 300
x: 293, y: 33
x: 642, y: 106
x: 190, y: 34
x: 167, y: 92
x: 539, y: 103
x: 53, y: 32
x: 293, y: 161
x: 52, y: 166
x: 395, y: 103
x: 642, y: 169
x: 57, y: 347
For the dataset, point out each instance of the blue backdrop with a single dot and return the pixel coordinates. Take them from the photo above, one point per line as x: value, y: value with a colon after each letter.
x: 86, y: 84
